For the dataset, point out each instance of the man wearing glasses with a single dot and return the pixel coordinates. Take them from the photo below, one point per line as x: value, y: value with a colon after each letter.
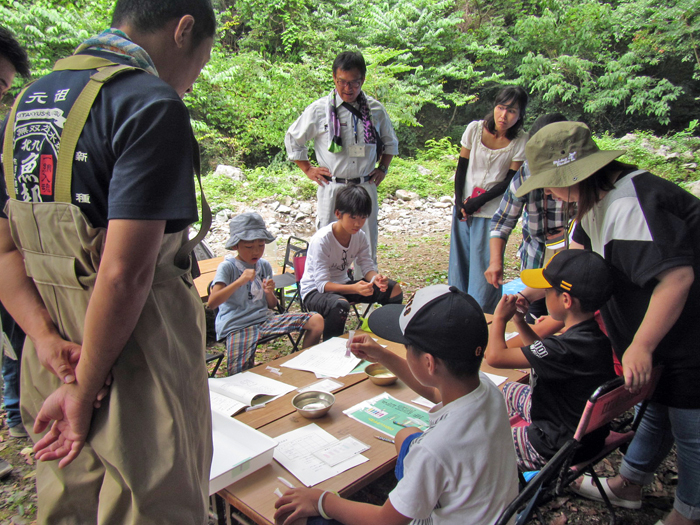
x: 354, y: 141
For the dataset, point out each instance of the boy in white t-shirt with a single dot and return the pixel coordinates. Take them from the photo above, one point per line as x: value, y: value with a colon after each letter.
x: 462, y: 469
x: 244, y: 292
x: 326, y: 287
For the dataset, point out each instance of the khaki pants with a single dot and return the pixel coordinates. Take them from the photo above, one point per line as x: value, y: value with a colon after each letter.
x: 148, y: 453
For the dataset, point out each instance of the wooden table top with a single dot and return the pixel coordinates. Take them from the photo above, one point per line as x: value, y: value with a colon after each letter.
x: 254, y: 494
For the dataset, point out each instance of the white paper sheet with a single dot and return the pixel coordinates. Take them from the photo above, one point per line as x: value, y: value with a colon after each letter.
x: 244, y: 387
x: 325, y: 385
x: 325, y: 360
x: 295, y: 452
x: 497, y: 380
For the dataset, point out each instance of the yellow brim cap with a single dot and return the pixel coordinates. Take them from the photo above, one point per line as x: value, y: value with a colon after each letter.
x: 534, y: 278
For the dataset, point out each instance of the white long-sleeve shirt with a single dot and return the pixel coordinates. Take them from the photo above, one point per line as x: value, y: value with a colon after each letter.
x: 328, y: 261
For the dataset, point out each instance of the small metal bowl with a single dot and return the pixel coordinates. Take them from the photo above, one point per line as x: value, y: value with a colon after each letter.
x: 380, y: 375
x: 313, y: 403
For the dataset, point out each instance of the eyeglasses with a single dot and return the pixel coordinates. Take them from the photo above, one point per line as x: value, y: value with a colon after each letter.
x: 345, y: 260
x: 354, y: 84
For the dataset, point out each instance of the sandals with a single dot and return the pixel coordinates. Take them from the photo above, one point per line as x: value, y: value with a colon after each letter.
x: 588, y: 489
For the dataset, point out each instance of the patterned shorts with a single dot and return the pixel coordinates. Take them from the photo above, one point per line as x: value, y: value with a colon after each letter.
x: 241, y: 345
x: 518, y: 403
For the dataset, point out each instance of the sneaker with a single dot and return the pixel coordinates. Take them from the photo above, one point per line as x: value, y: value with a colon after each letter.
x: 18, y: 431
x: 5, y: 469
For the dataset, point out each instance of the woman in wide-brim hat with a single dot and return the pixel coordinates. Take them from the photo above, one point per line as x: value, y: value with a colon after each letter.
x: 648, y: 229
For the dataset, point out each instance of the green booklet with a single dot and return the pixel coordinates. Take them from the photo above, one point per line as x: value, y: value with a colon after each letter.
x: 388, y: 415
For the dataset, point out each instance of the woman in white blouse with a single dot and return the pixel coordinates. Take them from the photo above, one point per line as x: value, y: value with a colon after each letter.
x: 493, y: 149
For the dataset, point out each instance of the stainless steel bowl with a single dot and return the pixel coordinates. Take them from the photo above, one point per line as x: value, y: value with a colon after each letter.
x: 313, y: 403
x: 379, y: 375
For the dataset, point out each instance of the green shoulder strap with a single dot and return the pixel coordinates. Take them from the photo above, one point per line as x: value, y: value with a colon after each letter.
x: 184, y: 252
x: 8, y: 153
x: 76, y: 121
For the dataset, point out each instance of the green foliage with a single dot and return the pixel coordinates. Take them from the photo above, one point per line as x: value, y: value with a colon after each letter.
x: 668, y: 156
x: 49, y: 31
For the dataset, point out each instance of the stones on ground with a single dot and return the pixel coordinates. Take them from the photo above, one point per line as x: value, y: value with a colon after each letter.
x: 404, y: 214
x: 231, y: 172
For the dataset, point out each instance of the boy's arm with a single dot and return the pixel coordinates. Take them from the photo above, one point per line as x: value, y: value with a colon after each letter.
x: 548, y: 326
x: 498, y: 355
x: 364, y: 347
x: 302, y: 502
x: 220, y: 292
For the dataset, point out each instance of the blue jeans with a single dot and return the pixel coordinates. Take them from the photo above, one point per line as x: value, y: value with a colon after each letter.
x: 658, y: 430
x: 469, y: 259
x: 10, y: 369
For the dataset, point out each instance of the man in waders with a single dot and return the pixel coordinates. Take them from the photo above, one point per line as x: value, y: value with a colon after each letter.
x: 95, y: 269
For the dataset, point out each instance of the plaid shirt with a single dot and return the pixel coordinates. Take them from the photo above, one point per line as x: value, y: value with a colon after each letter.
x: 531, y: 251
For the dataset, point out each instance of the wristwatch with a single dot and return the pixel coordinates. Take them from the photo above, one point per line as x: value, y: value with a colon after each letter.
x: 383, y: 168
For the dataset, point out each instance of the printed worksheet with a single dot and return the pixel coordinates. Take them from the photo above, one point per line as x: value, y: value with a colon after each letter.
x: 328, y: 359
x: 296, y: 449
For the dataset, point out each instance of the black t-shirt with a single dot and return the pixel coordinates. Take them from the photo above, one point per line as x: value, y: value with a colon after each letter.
x: 566, y: 370
x: 644, y: 226
x: 134, y: 156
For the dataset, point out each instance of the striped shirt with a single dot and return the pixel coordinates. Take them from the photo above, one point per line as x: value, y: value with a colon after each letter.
x: 532, y: 206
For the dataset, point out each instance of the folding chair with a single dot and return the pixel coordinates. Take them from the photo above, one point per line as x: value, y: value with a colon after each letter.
x: 608, y: 402
x: 295, y: 247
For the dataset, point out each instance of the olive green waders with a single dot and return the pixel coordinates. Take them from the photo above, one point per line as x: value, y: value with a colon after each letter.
x: 148, y: 451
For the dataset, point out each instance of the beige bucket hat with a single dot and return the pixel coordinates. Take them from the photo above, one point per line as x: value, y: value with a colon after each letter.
x: 561, y: 155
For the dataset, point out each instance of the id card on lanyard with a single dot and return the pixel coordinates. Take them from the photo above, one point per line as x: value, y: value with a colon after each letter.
x: 356, y: 150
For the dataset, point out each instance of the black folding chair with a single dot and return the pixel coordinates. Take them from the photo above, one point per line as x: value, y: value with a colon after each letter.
x: 608, y: 402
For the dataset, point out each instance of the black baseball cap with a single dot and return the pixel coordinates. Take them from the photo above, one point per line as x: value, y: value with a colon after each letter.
x: 581, y: 273
x: 440, y: 320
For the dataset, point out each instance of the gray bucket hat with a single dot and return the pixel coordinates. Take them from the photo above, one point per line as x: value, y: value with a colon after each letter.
x: 562, y: 154
x: 248, y: 226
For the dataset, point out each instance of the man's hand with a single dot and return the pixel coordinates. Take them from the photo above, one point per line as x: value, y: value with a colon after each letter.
x: 297, y: 503
x: 363, y: 288
x: 636, y: 367
x: 58, y: 356
x: 71, y: 413
x: 377, y: 176
x: 317, y: 174
x: 364, y: 347
x: 494, y: 274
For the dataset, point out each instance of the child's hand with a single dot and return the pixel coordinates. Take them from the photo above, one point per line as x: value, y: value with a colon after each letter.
x: 506, y: 308
x: 269, y: 286
x: 364, y: 347
x: 248, y: 275
x: 382, y: 282
x: 364, y: 288
x: 297, y: 503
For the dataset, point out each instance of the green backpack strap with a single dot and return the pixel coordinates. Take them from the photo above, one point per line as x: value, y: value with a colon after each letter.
x: 76, y: 121
x: 184, y: 252
x: 81, y: 63
x: 8, y: 150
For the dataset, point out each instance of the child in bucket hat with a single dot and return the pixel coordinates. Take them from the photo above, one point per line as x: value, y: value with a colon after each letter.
x: 566, y: 369
x: 244, y: 293
x: 467, y: 446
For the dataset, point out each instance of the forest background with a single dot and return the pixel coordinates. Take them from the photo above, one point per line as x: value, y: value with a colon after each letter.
x: 621, y: 66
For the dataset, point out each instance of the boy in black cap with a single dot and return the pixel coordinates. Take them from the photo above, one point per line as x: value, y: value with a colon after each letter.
x: 566, y: 369
x: 462, y: 469
x: 244, y: 292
